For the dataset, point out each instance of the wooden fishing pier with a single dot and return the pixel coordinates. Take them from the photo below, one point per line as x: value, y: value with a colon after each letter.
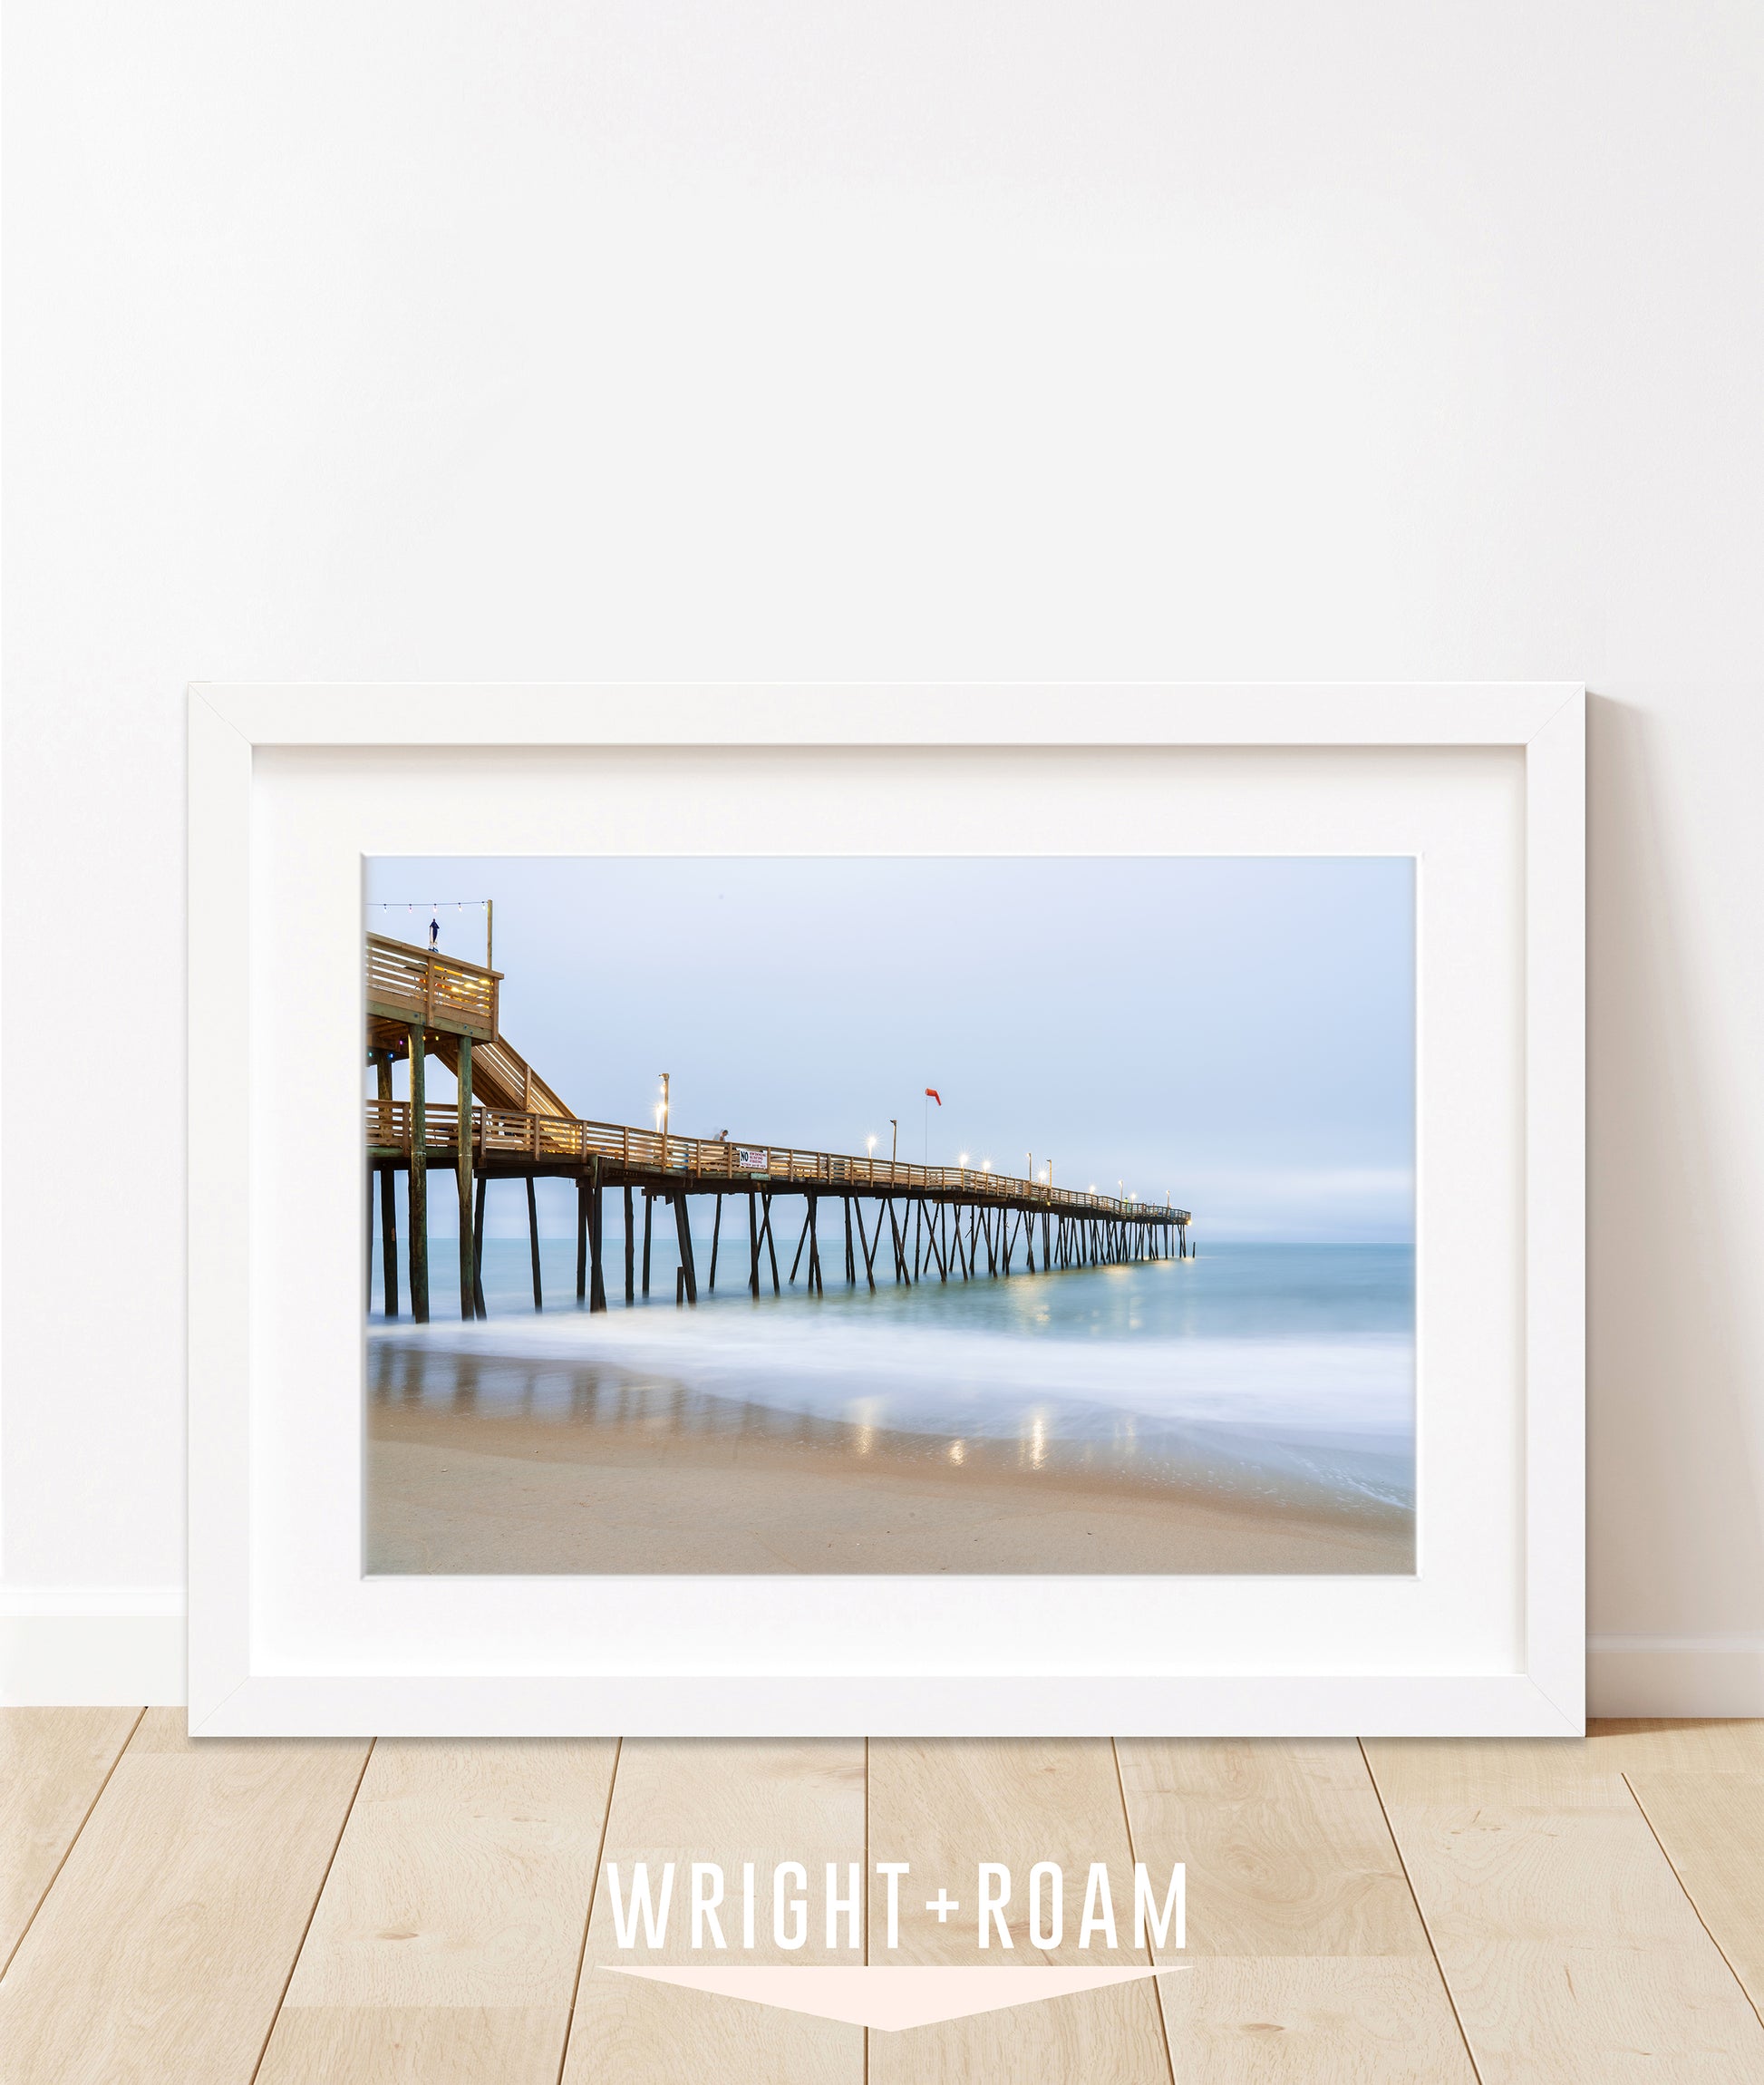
x: 920, y: 1223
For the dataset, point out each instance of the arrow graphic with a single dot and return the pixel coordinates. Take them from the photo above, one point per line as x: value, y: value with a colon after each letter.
x: 891, y: 1999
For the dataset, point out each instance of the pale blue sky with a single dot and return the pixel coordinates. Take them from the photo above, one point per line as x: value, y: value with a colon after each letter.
x: 1236, y: 1033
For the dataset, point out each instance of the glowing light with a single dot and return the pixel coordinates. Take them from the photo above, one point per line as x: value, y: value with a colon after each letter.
x: 958, y: 1450
x: 963, y: 1159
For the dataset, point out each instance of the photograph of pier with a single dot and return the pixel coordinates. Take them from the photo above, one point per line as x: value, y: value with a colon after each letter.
x: 908, y: 1215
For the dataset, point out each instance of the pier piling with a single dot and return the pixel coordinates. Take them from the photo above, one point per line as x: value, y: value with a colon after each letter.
x: 869, y: 1250
x: 597, y: 1241
x: 684, y: 1232
x: 418, y: 1175
x: 462, y: 1168
x: 772, y: 1244
x: 388, y: 1196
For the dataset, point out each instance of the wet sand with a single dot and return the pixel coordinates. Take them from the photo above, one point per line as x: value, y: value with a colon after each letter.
x: 466, y: 1489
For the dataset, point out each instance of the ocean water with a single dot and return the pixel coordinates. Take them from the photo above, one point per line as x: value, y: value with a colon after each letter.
x: 1281, y: 1372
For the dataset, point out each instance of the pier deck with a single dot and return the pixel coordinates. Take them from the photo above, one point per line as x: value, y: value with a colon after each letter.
x: 420, y: 1004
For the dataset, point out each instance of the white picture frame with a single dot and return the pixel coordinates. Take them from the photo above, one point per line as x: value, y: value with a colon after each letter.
x: 282, y: 1641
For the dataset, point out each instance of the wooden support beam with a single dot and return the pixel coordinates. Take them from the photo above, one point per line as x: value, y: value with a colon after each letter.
x: 850, y: 1264
x: 596, y: 1242
x: 593, y: 1206
x: 581, y: 1236
x: 771, y: 1243
x: 716, y: 1235
x: 902, y: 1272
x: 816, y: 1287
x: 533, y: 1242
x: 648, y: 1212
x: 463, y: 1172
x: 478, y: 1249
x: 869, y: 1251
x: 630, y: 1250
x: 802, y: 1237
x: 388, y: 1200
x: 683, y: 1228
x: 418, y: 1181
x: 752, y: 1244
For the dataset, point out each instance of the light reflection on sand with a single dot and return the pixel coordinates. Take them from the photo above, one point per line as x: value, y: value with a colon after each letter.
x: 592, y: 1399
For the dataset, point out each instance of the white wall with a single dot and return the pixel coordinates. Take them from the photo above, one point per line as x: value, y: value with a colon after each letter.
x: 1125, y: 340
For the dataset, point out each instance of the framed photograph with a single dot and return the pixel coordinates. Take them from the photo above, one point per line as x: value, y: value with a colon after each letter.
x: 886, y: 1209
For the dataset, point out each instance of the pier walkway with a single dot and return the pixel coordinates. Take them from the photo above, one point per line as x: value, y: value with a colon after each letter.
x: 950, y: 1223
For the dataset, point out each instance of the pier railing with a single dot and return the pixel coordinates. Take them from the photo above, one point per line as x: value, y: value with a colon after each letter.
x: 408, y: 984
x: 501, y: 1133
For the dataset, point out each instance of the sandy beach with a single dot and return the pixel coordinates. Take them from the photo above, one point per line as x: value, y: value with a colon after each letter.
x: 469, y: 1490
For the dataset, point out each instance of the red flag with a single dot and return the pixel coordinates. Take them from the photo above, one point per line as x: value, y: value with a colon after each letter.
x: 931, y: 1094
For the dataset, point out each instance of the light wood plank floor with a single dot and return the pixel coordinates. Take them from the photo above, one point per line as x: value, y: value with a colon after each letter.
x: 425, y: 1912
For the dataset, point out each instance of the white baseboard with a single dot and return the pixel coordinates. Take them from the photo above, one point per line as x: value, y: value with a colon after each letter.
x: 91, y: 1646
x: 1676, y: 1676
x: 81, y: 1645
